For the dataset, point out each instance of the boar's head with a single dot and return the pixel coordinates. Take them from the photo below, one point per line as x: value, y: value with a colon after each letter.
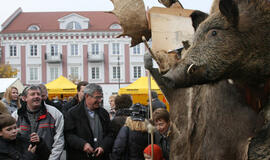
x: 219, y: 50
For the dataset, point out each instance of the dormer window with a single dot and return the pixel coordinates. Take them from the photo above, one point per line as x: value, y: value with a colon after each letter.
x: 73, y: 21
x: 73, y: 26
x: 33, y: 28
x: 115, y: 26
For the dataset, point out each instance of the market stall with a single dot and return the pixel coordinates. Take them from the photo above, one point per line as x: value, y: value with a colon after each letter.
x: 61, y: 88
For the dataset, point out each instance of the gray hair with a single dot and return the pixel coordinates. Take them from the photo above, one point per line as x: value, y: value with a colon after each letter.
x: 32, y: 87
x: 91, y: 88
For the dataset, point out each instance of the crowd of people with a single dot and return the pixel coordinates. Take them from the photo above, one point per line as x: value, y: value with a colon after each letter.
x: 32, y: 127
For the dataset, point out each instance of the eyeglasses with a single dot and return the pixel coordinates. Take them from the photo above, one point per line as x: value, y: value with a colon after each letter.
x: 97, y: 97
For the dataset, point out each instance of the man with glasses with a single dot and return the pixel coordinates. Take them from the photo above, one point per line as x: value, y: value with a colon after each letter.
x: 87, y: 127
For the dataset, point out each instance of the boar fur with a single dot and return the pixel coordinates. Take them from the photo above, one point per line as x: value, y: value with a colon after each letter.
x: 218, y: 91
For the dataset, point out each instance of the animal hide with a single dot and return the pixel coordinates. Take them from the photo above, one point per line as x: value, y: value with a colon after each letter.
x: 132, y: 17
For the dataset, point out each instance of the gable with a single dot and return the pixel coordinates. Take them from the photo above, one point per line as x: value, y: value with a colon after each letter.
x: 73, y: 21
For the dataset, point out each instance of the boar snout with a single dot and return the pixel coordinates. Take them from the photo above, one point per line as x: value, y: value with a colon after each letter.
x: 186, y: 75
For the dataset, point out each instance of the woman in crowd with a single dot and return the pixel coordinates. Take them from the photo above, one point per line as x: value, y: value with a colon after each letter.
x: 133, y: 137
x: 122, y: 105
x: 112, y: 105
x: 11, y: 99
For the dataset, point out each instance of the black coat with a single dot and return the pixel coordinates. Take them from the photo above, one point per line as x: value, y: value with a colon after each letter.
x: 73, y: 102
x: 78, y: 132
x: 129, y: 144
x: 164, y: 143
x: 17, y: 150
x: 118, y: 121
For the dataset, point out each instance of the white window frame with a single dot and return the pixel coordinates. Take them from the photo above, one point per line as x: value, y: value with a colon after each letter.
x: 33, y: 73
x: 54, y: 50
x: 54, y: 73
x: 137, y: 71
x: 33, y: 50
x: 74, y: 48
x: 136, y: 49
x: 95, y: 73
x: 13, y: 51
x: 116, y: 48
x: 33, y: 28
x: 116, y: 72
x: 95, y: 49
x: 74, y: 72
x: 73, y: 25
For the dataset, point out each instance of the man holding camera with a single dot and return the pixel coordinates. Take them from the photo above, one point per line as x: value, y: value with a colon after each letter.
x: 87, y: 127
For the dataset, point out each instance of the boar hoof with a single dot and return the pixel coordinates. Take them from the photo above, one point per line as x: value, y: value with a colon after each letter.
x: 191, y: 69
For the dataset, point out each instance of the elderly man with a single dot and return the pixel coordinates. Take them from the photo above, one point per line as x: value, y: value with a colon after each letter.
x: 43, y: 119
x: 87, y: 127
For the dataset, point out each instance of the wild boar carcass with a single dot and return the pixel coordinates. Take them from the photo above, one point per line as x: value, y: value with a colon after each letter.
x: 213, y: 118
x: 233, y: 42
x: 227, y: 70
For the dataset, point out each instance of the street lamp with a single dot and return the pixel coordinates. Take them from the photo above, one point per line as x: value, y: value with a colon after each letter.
x: 118, y: 70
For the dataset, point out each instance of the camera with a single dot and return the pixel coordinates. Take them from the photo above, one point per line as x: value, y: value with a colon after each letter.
x: 138, y: 112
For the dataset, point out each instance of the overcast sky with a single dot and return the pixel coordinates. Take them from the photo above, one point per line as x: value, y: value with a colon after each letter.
x: 7, y: 7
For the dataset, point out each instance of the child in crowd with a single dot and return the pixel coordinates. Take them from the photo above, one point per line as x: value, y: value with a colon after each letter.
x: 15, y: 147
x: 12, y: 147
x: 157, y: 153
x: 161, y: 118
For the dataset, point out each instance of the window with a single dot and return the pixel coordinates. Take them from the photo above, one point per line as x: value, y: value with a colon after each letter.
x: 115, y: 26
x: 33, y: 50
x: 54, y: 73
x: 73, y: 26
x: 74, y: 72
x: 12, y: 51
x: 136, y: 49
x: 116, y: 72
x: 33, y: 74
x: 74, y: 50
x: 54, y: 50
x: 95, y: 49
x: 116, y: 48
x: 33, y: 28
x: 137, y: 70
x: 95, y: 73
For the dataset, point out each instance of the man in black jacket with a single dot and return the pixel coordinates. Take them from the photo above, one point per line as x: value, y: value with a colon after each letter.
x: 77, y: 98
x: 87, y: 127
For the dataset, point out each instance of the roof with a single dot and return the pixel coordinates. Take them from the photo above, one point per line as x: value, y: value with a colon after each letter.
x: 7, y: 82
x: 61, y: 85
x: 48, y: 21
x: 140, y: 86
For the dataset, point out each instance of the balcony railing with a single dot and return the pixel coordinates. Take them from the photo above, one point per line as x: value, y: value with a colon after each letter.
x: 99, y: 57
x: 53, y: 58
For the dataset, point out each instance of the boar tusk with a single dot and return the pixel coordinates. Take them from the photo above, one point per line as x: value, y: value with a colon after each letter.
x: 189, y: 69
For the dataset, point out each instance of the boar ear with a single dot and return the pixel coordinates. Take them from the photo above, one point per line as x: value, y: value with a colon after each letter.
x: 229, y: 9
x: 197, y: 17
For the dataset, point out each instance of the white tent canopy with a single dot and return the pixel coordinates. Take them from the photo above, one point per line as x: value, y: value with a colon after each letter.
x: 8, y: 82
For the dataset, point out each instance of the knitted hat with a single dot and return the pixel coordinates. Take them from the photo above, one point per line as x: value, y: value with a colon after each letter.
x: 157, y: 152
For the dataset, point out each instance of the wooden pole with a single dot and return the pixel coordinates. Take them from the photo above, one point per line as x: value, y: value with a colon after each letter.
x: 150, y: 98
